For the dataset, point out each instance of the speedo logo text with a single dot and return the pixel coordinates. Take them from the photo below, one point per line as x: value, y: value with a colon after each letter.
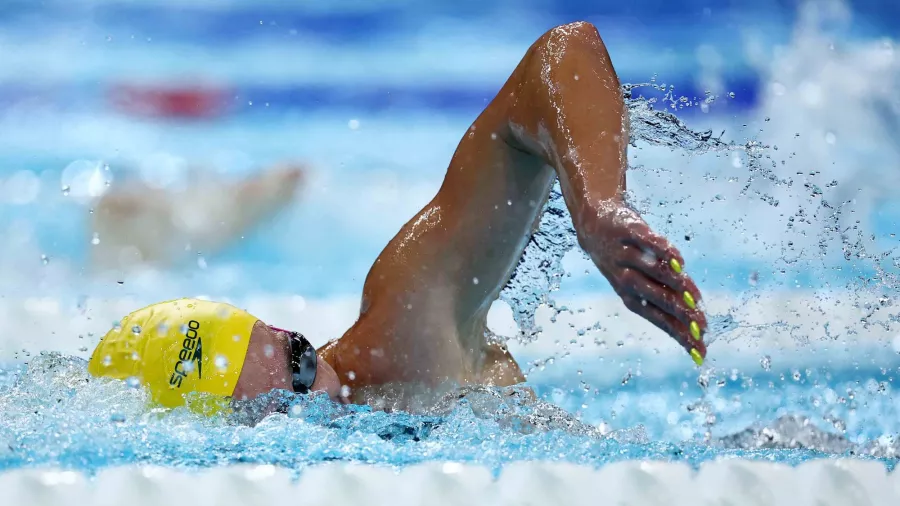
x: 190, y: 356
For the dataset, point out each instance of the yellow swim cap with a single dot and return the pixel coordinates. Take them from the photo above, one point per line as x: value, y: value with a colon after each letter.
x: 177, y: 347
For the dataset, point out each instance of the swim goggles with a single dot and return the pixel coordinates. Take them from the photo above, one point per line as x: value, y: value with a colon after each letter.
x: 303, y: 362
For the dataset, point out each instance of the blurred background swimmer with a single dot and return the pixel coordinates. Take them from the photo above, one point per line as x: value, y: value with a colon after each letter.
x: 143, y: 225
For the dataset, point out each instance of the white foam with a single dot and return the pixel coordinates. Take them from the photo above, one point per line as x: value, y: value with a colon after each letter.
x: 734, y: 482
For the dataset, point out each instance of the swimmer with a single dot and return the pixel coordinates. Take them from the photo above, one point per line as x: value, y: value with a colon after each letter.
x: 422, y: 320
x: 136, y: 225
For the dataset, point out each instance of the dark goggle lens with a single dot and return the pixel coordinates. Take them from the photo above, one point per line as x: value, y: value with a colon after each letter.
x: 303, y: 363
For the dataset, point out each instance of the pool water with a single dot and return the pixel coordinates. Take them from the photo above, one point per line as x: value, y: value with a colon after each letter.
x: 54, y: 415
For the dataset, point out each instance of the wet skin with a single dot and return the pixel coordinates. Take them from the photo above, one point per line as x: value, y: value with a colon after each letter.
x: 425, y: 301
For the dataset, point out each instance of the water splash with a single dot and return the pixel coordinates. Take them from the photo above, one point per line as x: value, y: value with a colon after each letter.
x: 55, y: 414
x: 540, y: 270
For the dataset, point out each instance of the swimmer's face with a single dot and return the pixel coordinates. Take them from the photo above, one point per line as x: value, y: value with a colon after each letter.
x: 268, y: 367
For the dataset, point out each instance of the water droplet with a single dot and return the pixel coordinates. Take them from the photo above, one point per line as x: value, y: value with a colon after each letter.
x: 136, y: 330
x: 221, y: 362
x: 766, y: 363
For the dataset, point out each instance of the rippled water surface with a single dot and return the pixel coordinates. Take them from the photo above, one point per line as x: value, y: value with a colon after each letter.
x: 55, y: 415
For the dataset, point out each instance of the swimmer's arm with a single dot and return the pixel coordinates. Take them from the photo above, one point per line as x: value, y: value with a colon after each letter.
x: 561, y: 111
x: 567, y: 108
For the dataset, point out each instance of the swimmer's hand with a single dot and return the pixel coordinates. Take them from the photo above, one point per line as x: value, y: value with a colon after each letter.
x: 645, y: 271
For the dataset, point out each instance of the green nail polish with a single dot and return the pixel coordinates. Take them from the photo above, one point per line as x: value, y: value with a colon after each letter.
x: 696, y: 356
x: 689, y: 300
x: 675, y: 266
x: 695, y: 331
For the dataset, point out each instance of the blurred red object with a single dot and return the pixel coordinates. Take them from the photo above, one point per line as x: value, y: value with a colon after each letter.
x: 196, y: 102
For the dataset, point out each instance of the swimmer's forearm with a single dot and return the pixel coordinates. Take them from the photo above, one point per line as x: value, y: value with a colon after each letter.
x: 568, y: 109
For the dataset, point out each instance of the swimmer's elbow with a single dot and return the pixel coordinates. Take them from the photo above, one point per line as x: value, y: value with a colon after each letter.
x: 560, y: 39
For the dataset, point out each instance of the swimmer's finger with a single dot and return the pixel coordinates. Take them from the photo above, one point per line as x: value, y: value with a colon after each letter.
x: 659, y: 270
x: 668, y: 324
x: 670, y: 301
x: 654, y: 245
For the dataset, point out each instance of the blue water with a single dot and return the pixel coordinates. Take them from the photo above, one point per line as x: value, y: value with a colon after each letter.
x: 54, y: 415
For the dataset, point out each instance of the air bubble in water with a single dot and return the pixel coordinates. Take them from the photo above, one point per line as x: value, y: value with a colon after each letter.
x: 269, y: 351
x: 133, y: 382
x: 766, y: 363
x: 65, y: 190
x: 830, y: 138
x: 107, y: 361
x: 221, y: 362
x: 351, y: 375
x: 96, y: 239
x: 45, y: 259
x: 136, y: 330
x: 353, y: 124
x: 345, y: 391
